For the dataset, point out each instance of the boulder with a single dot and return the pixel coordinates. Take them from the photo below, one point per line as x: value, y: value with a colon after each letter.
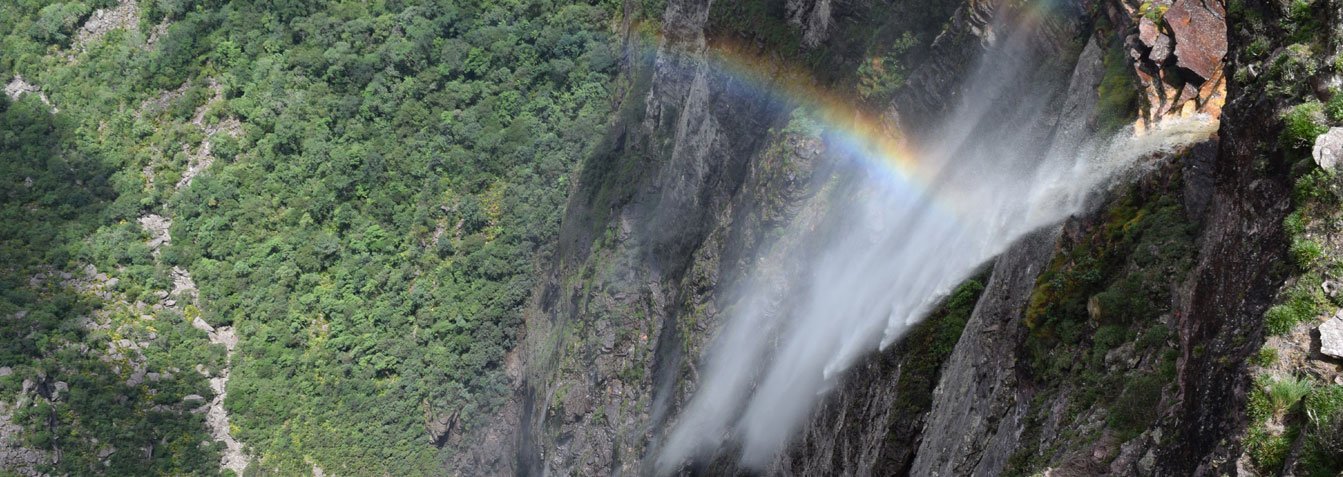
x: 1329, y: 149
x: 1157, y: 43
x: 1199, y: 27
x: 1331, y: 337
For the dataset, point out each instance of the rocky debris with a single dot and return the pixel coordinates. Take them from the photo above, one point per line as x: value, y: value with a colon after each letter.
x: 18, y: 87
x: 1329, y: 149
x: 124, y: 16
x: 157, y: 226
x: 184, y: 291
x: 1331, y: 336
x: 1199, y: 27
x: 203, y: 156
x: 232, y: 457
x: 813, y: 17
x: 13, y: 455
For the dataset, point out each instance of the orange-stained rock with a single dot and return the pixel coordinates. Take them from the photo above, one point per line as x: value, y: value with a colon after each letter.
x: 1199, y: 27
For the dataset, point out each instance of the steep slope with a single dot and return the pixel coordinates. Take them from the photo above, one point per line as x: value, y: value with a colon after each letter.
x: 1012, y: 400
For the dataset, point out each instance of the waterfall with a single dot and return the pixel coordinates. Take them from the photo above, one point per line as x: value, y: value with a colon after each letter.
x: 879, y: 246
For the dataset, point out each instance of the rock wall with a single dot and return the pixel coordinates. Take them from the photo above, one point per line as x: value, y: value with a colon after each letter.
x: 674, y: 207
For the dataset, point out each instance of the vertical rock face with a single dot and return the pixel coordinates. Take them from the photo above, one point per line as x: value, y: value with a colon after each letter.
x: 672, y: 210
x: 813, y: 17
x: 1233, y: 284
x: 978, y: 408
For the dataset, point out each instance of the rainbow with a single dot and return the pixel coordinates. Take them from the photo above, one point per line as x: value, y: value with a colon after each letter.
x: 849, y: 130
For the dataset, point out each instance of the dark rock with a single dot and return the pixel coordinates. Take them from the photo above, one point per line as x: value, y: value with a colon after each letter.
x: 1198, y: 179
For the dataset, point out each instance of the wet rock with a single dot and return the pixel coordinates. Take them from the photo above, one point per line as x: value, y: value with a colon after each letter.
x: 1331, y: 336
x: 1329, y: 149
x: 1199, y: 27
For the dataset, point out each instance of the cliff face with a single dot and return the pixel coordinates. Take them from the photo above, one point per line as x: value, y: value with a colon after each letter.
x: 1112, y: 343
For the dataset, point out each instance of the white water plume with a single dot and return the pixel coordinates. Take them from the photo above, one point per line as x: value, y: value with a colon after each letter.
x: 889, y: 251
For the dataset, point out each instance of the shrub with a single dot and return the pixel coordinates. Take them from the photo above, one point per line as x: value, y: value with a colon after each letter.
x: 1289, y: 71
x: 1302, y: 124
x: 1294, y: 224
x: 1324, y: 433
x: 1316, y: 185
x: 1265, y: 357
x: 1301, y: 303
x: 1334, y: 108
x: 881, y: 75
x: 1136, y: 408
x: 1306, y: 252
x: 1267, y: 449
x: 1283, y: 393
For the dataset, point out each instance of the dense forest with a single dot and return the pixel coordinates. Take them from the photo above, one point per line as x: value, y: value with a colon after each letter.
x: 382, y: 178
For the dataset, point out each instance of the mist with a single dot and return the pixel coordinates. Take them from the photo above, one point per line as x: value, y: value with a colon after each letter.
x: 873, y: 252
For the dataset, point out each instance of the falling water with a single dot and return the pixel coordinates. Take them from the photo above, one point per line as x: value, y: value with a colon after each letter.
x: 891, y: 246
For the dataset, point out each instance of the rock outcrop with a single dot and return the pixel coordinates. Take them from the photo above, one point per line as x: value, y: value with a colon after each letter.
x: 1331, y: 337
x: 18, y: 87
x: 813, y: 17
x: 1199, y: 29
x: 124, y: 16
x: 1178, y: 56
x: 1328, y: 150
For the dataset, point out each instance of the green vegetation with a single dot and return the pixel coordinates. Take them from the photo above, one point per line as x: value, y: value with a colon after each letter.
x: 1283, y: 410
x: 1299, y: 303
x: 1265, y: 357
x: 1334, y: 108
x: 1103, y: 298
x: 370, y: 230
x: 59, y: 188
x: 929, y: 344
x: 1283, y: 393
x: 881, y: 75
x: 1302, y: 124
x: 1118, y: 92
x: 1152, y: 12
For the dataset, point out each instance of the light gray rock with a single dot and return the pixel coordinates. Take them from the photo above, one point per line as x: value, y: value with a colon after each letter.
x: 1329, y: 149
x: 1331, y: 336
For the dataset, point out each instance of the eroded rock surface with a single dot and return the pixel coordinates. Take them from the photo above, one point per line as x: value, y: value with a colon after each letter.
x: 124, y: 16
x: 813, y: 17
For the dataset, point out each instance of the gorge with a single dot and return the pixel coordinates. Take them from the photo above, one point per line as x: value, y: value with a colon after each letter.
x: 671, y: 237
